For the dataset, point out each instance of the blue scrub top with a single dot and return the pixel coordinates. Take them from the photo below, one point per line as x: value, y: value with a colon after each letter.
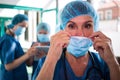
x: 10, y: 49
x: 60, y: 71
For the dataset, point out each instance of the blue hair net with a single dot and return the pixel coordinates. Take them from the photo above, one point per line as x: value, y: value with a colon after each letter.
x: 43, y: 26
x: 78, y: 8
x: 17, y: 19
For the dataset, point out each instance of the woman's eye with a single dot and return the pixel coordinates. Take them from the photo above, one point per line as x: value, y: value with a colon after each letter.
x: 71, y: 26
x: 88, y: 26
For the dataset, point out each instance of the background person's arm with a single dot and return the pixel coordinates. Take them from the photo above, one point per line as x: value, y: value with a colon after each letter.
x: 17, y: 62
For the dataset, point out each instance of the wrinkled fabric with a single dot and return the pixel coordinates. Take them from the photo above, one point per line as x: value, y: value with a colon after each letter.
x: 20, y: 30
x: 79, y: 46
x: 59, y: 73
x: 10, y: 49
x: 43, y: 38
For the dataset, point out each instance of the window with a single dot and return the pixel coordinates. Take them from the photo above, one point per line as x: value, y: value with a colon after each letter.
x: 108, y: 14
x: 50, y: 18
x: 26, y: 32
x: 101, y: 15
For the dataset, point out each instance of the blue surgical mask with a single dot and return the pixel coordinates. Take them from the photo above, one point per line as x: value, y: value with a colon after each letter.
x: 43, y: 38
x: 79, y: 46
x: 19, y: 30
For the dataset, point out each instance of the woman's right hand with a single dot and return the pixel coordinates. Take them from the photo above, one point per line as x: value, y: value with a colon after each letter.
x: 32, y: 51
x: 36, y: 44
x: 58, y: 41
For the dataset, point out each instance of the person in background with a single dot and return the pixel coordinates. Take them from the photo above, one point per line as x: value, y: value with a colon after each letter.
x: 13, y: 58
x: 69, y: 57
x: 43, y: 31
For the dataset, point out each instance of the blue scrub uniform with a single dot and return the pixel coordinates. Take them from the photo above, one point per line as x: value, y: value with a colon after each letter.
x: 10, y: 49
x: 67, y: 74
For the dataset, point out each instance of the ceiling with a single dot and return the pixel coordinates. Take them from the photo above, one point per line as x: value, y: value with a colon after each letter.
x: 31, y: 3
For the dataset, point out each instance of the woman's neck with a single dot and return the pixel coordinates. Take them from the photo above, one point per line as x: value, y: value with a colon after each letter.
x: 79, y: 60
x: 9, y: 32
x: 78, y: 65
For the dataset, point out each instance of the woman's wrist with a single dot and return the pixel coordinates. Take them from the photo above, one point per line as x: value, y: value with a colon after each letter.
x: 54, y: 53
x: 112, y: 62
x: 51, y: 58
x: 27, y: 55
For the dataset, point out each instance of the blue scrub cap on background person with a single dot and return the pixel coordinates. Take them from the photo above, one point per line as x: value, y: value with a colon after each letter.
x: 78, y: 8
x: 17, y: 19
x: 43, y: 26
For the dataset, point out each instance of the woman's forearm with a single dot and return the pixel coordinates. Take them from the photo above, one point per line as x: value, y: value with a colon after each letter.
x: 30, y: 61
x: 57, y: 43
x: 47, y: 70
x: 114, y: 70
x: 17, y: 62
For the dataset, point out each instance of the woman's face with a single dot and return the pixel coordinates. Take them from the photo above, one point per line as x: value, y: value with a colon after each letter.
x: 23, y: 24
x: 42, y: 32
x: 80, y: 26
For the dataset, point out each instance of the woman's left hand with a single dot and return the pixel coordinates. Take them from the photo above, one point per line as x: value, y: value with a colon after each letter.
x: 103, y: 45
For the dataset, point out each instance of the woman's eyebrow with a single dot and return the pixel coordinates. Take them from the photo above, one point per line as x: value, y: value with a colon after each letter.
x: 84, y: 22
x: 71, y: 22
x: 88, y: 21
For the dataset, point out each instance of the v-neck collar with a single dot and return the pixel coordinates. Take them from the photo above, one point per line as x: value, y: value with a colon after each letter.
x: 70, y: 71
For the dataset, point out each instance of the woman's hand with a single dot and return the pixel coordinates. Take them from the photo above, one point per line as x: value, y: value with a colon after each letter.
x: 103, y: 45
x: 36, y: 44
x: 32, y: 51
x: 58, y: 41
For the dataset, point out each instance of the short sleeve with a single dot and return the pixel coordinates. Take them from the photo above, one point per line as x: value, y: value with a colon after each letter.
x: 40, y: 63
x: 8, y: 50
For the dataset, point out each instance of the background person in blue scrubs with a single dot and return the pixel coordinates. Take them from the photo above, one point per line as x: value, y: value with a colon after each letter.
x: 68, y: 57
x: 13, y: 59
x: 43, y: 31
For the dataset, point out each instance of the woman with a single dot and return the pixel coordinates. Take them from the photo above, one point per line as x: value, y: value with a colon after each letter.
x: 69, y: 57
x: 12, y: 57
x: 43, y: 31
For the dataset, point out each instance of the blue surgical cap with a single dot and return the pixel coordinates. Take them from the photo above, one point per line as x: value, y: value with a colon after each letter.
x: 43, y: 26
x: 17, y: 19
x: 78, y: 8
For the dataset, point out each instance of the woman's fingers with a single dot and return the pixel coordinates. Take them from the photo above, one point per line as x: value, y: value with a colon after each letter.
x: 102, y: 44
x: 32, y: 51
x: 36, y: 44
x: 61, y: 38
x: 98, y: 34
x: 58, y: 41
x: 98, y: 44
